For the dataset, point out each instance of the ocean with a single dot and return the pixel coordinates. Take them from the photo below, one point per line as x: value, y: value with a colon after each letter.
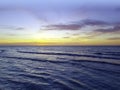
x: 59, y: 68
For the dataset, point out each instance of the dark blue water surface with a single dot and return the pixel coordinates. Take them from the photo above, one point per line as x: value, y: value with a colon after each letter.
x: 59, y: 68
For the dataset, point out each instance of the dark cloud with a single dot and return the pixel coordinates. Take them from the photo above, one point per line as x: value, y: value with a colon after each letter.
x: 19, y: 28
x: 115, y: 29
x: 64, y: 27
x: 76, y: 25
x: 5, y: 9
x: 98, y: 32
x: 67, y: 37
x: 6, y: 27
x: 114, y: 38
x: 94, y: 22
x: 118, y: 9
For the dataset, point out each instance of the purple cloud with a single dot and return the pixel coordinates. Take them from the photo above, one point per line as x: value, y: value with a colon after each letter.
x: 76, y: 25
x: 115, y: 29
x: 6, y: 27
x: 114, y: 38
x: 97, y: 32
x: 64, y: 27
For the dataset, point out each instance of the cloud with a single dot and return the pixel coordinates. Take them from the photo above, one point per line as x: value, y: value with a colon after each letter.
x: 19, y: 28
x: 114, y: 38
x: 76, y: 25
x: 48, y: 12
x: 115, y: 29
x: 94, y: 22
x: 117, y: 9
x: 109, y: 28
x: 64, y: 27
x: 67, y: 37
x: 98, y: 32
x: 6, y: 27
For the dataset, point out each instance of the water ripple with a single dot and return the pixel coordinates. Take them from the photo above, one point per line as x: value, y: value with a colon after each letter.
x: 40, y: 68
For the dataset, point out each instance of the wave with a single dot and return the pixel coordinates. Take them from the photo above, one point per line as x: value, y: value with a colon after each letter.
x: 50, y: 53
x: 108, y: 53
x: 70, y: 54
x: 31, y: 69
x: 1, y: 51
x: 113, y: 62
x: 25, y: 85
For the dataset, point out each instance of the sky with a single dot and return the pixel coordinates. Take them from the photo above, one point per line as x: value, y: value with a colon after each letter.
x: 59, y: 22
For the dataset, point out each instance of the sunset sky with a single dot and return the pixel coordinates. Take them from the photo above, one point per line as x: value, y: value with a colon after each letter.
x: 59, y: 22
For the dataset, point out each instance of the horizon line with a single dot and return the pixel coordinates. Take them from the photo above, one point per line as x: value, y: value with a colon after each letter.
x: 59, y: 45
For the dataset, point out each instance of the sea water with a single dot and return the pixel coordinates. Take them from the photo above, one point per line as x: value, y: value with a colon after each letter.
x: 60, y: 68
